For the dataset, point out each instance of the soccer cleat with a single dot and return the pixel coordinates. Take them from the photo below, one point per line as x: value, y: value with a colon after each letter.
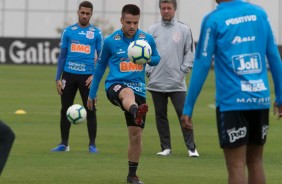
x: 92, y: 149
x: 165, y: 152
x: 141, y: 112
x: 61, y: 147
x: 134, y: 180
x: 193, y: 153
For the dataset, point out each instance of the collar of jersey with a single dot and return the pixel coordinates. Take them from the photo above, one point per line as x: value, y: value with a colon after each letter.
x: 168, y: 23
x: 230, y: 3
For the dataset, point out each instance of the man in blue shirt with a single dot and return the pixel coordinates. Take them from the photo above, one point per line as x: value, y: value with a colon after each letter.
x: 125, y: 83
x: 239, y: 36
x: 79, y: 44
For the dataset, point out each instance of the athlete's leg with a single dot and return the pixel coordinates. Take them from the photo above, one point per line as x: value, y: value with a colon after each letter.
x: 67, y: 98
x: 135, y: 143
x: 91, y: 114
x: 259, y: 122
x: 255, y: 164
x: 127, y: 98
x: 235, y: 162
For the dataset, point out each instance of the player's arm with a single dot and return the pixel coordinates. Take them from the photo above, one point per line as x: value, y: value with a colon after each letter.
x: 61, y: 61
x: 275, y: 66
x: 99, y: 71
x: 60, y: 68
x: 99, y: 43
x: 202, y: 63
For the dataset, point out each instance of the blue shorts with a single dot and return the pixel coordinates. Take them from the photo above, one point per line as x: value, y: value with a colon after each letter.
x: 113, y: 93
x: 237, y: 128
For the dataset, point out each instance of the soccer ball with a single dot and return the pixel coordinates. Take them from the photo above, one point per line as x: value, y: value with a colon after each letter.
x: 139, y: 51
x: 76, y: 114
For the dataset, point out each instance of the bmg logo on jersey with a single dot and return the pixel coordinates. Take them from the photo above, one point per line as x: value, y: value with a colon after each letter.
x: 247, y: 64
x: 80, y: 48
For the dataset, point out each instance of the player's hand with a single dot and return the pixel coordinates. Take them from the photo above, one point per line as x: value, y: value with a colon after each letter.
x: 59, y: 87
x: 186, y: 122
x: 88, y: 81
x: 277, y: 110
x: 91, y: 103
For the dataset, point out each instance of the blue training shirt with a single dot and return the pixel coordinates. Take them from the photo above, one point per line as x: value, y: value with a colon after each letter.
x: 80, y: 44
x: 122, y: 70
x: 238, y: 36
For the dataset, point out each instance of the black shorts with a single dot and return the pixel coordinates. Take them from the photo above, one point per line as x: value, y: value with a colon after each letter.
x: 236, y: 128
x: 113, y: 93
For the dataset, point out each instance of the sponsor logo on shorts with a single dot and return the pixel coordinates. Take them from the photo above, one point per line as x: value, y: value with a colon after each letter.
x: 117, y: 88
x: 264, y: 131
x: 236, y: 134
x: 64, y: 83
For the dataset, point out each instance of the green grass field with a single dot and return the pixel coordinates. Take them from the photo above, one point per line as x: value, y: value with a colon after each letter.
x: 32, y: 88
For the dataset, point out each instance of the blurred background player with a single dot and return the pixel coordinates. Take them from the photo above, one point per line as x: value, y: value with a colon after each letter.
x: 125, y: 83
x: 7, y: 138
x: 239, y: 36
x: 167, y: 80
x: 76, y: 65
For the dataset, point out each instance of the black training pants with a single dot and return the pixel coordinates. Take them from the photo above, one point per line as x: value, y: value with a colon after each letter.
x: 161, y: 104
x: 7, y: 138
x: 71, y: 84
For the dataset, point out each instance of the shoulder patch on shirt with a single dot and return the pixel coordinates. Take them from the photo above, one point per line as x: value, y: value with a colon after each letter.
x: 141, y: 35
x: 117, y: 37
x: 74, y: 27
x: 91, y: 29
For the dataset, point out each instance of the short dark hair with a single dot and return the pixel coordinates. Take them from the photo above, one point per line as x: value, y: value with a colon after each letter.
x: 130, y: 9
x: 174, y: 2
x: 86, y: 4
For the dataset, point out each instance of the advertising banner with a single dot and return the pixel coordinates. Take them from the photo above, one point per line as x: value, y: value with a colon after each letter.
x: 30, y: 51
x: 34, y: 51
